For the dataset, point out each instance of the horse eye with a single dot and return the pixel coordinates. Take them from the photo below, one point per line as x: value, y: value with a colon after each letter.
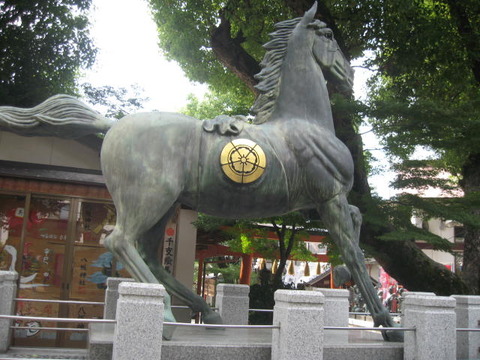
x: 329, y: 35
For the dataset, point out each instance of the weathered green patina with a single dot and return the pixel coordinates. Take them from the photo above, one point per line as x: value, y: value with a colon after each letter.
x: 154, y: 161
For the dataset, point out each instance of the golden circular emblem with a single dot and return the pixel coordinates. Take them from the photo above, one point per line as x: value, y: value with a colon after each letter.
x: 243, y: 161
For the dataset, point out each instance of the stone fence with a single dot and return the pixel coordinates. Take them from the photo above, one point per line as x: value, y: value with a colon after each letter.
x: 299, y: 320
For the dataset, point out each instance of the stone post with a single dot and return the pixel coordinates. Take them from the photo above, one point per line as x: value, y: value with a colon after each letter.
x: 335, y: 307
x: 111, y: 296
x: 138, y: 334
x: 407, y: 294
x: 468, y: 316
x: 336, y: 311
x: 8, y: 291
x: 435, y: 320
x: 299, y: 314
x: 232, y: 302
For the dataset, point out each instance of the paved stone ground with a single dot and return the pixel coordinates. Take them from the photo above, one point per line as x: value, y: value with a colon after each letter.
x: 44, y: 353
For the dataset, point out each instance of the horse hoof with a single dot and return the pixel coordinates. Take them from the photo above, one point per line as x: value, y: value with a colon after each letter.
x: 213, y: 318
x: 392, y: 335
x: 168, y: 331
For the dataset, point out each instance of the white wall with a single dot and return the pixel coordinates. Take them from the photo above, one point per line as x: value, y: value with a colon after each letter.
x: 47, y: 151
x: 441, y: 257
x: 444, y: 229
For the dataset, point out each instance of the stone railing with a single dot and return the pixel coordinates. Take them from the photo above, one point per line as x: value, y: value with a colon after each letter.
x: 437, y: 327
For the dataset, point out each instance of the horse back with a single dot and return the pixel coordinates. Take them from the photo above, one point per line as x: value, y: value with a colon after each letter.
x: 227, y: 188
x: 154, y: 153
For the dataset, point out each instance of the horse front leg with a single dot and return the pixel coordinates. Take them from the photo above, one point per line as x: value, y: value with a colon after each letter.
x: 343, y: 223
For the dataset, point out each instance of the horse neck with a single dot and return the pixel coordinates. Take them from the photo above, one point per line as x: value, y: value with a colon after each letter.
x: 303, y: 92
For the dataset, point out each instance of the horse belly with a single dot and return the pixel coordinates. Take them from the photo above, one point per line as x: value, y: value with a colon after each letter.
x: 219, y: 195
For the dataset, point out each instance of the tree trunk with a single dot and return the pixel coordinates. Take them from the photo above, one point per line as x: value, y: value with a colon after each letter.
x: 277, y: 277
x: 459, y: 11
x: 471, y: 257
x: 285, y: 249
x: 231, y: 54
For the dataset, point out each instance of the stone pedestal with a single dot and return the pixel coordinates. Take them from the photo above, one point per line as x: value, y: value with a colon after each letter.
x: 138, y: 334
x: 111, y: 296
x: 435, y: 320
x: 300, y: 315
x: 8, y: 291
x: 232, y: 302
x: 468, y: 316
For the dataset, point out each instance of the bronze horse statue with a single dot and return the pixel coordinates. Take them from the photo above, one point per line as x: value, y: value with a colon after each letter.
x: 288, y: 159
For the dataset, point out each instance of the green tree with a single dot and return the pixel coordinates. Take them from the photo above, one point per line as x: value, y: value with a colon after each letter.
x: 427, y: 94
x: 252, y: 236
x: 113, y: 102
x: 291, y: 230
x: 227, y: 102
x: 210, y: 38
x: 44, y: 44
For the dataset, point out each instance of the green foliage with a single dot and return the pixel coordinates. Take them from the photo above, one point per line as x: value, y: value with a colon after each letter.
x: 185, y: 28
x: 262, y: 297
x: 211, y: 223
x: 424, y: 174
x: 227, y: 273
x: 446, y: 208
x: 43, y: 44
x: 451, y: 129
x: 398, y: 212
x: 252, y: 236
x: 425, y: 93
x: 437, y: 242
x: 291, y: 230
x: 115, y: 102
x: 232, y: 102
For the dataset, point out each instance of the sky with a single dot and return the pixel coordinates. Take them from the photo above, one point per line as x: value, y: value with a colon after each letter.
x: 126, y: 36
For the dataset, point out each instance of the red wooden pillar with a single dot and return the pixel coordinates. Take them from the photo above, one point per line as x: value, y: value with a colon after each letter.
x: 200, y: 277
x: 246, y: 269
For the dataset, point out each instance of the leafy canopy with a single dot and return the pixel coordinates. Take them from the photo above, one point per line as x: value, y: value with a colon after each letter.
x: 43, y: 45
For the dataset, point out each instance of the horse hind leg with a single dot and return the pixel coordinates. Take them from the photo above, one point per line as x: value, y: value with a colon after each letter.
x: 121, y: 244
x: 123, y: 249
x: 342, y: 222
x: 148, y: 247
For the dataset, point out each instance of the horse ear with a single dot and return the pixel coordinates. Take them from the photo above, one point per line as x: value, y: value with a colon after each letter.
x: 310, y: 14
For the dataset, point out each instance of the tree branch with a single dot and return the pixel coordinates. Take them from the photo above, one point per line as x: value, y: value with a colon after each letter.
x: 470, y: 38
x: 231, y: 54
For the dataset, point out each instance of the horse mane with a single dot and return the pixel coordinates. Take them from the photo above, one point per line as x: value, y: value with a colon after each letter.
x: 269, y: 76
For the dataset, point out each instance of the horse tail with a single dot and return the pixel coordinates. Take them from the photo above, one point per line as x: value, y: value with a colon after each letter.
x: 60, y: 115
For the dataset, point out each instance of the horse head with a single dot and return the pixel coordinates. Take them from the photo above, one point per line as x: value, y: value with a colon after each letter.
x: 327, y: 52
x: 330, y: 58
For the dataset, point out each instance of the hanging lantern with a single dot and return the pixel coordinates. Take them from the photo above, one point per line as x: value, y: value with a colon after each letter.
x: 262, y: 264
x: 306, y: 271
x: 319, y: 270
x: 274, y: 266
x: 291, y: 268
